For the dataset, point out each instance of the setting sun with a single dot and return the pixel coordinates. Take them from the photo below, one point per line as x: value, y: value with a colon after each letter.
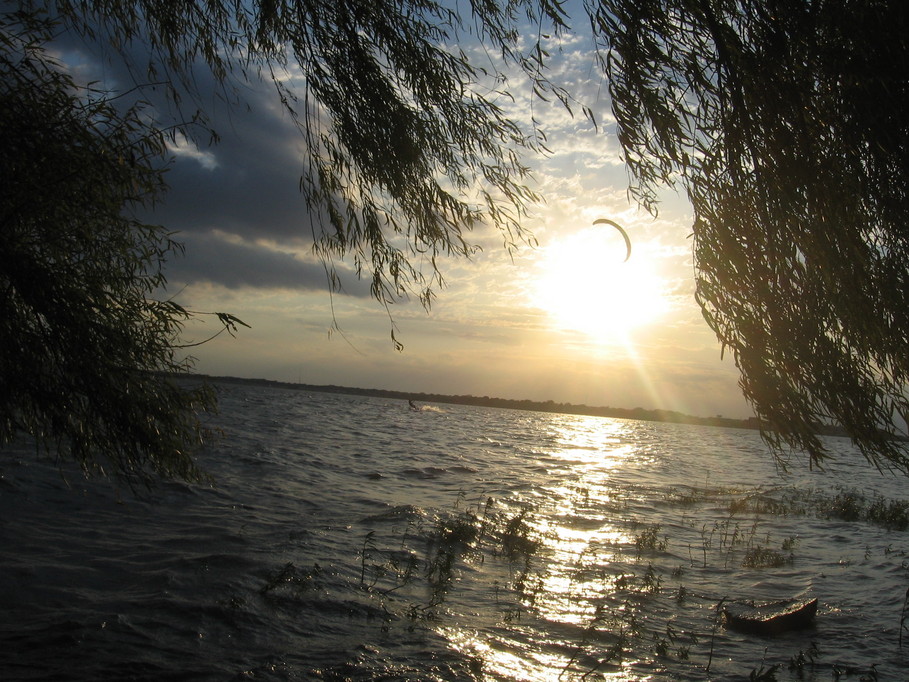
x: 586, y: 286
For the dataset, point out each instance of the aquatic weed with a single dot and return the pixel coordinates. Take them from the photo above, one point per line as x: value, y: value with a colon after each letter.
x: 764, y: 557
x: 290, y: 576
x: 892, y: 514
x: 681, y: 594
x: 620, y: 619
x: 651, y: 581
x: 706, y: 541
x: 663, y: 643
x: 649, y: 539
x: 516, y: 537
x: 804, y: 657
x: 622, y: 624
x: 851, y: 505
x: 846, y: 505
x: 366, y: 552
x: 716, y: 626
x: 843, y: 504
x: 866, y: 674
x: 903, y: 615
x: 762, y: 674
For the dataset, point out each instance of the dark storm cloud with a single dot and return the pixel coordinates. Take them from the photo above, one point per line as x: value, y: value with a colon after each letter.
x: 211, y: 258
x: 245, y: 186
x: 225, y: 199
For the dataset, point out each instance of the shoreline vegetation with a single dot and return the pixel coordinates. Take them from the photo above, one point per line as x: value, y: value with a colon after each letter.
x: 637, y: 413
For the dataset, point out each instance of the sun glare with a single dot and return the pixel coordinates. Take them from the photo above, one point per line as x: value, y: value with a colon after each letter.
x: 586, y: 286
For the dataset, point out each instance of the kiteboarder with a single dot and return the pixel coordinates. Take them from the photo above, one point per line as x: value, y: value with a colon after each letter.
x: 413, y: 406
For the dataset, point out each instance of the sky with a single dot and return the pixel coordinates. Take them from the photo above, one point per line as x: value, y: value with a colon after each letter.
x: 568, y: 319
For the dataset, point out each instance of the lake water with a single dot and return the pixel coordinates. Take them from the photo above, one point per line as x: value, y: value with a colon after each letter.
x: 350, y: 538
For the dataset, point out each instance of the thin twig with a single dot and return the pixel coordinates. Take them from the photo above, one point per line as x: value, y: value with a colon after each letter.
x: 903, y: 616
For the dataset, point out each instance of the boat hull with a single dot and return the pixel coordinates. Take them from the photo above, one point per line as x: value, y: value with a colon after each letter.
x: 771, y: 619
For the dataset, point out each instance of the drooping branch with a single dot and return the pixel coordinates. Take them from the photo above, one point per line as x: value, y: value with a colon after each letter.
x: 784, y: 123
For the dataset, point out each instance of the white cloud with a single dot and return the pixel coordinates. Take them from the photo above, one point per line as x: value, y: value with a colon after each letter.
x: 184, y: 148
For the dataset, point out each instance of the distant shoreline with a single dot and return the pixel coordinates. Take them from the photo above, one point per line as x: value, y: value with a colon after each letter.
x: 637, y: 413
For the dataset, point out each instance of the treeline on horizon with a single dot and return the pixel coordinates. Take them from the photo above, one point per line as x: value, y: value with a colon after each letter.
x: 637, y: 413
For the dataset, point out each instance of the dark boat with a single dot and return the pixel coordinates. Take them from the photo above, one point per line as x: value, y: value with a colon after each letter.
x: 772, y: 618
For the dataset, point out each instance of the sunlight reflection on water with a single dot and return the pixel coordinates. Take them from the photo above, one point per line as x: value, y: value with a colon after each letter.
x: 574, y: 522
x: 613, y: 596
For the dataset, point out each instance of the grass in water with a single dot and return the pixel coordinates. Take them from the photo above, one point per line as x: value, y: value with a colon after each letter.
x: 624, y: 594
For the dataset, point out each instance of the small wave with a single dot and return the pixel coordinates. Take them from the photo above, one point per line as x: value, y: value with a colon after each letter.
x: 424, y: 473
x: 403, y: 511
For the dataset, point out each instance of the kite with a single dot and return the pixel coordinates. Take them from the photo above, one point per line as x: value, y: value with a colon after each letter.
x: 607, y: 221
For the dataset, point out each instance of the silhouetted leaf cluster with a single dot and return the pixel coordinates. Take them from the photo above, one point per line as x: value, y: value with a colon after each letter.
x: 785, y: 123
x: 87, y: 351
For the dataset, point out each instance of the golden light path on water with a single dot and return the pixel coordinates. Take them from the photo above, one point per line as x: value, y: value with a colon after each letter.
x: 574, y: 520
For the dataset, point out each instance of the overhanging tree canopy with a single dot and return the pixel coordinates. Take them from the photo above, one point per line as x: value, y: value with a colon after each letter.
x: 787, y: 125
x: 86, y: 352
x: 403, y: 152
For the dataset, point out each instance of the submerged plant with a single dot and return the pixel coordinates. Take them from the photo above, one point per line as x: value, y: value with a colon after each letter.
x: 804, y: 657
x: 762, y: 674
x: 843, y: 504
x: 649, y: 540
x: 903, y: 615
x: 764, y: 557
x: 292, y: 577
x: 517, y: 540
